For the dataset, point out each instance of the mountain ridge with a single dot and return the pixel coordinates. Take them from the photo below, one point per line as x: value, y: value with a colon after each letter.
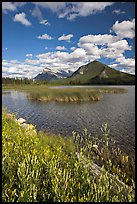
x: 92, y: 73
x: 49, y: 75
x: 96, y: 72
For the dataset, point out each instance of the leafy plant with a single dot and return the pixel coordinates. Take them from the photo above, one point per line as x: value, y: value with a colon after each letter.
x: 41, y: 168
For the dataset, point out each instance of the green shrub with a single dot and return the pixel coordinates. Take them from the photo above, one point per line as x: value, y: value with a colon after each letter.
x: 48, y: 168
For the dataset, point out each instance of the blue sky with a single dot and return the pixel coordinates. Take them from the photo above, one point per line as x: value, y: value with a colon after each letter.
x: 63, y: 36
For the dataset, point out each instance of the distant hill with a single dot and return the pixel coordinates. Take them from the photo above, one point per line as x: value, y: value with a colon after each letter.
x: 49, y: 75
x: 100, y: 74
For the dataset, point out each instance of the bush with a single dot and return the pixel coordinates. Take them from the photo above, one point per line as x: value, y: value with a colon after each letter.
x: 41, y: 168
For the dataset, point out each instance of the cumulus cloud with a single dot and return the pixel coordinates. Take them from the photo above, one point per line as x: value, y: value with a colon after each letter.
x: 65, y: 37
x: 124, y: 29
x: 60, y: 48
x: 105, y: 45
x: 19, y: 69
x: 125, y: 64
x: 90, y: 48
x: 99, y: 39
x: 60, y: 60
x: 62, y: 57
x: 21, y: 17
x: 121, y: 45
x: 45, y: 37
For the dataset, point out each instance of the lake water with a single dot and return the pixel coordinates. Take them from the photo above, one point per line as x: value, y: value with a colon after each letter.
x: 118, y: 110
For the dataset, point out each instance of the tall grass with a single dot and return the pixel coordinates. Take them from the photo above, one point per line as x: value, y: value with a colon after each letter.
x: 43, y: 93
x: 41, y: 168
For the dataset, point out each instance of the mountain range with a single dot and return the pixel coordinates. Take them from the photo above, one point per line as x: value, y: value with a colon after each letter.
x: 92, y: 73
x: 49, y: 75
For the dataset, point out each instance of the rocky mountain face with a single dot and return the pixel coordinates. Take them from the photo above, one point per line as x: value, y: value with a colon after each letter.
x: 49, y: 75
x: 98, y: 73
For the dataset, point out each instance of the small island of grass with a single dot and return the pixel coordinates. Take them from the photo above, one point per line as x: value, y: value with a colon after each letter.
x: 45, y: 93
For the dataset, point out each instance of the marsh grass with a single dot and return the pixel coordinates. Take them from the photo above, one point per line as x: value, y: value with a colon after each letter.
x: 41, y: 168
x: 43, y: 93
x: 65, y: 95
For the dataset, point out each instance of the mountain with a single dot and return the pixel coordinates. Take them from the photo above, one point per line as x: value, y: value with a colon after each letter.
x: 49, y: 75
x: 100, y: 74
x: 93, y: 73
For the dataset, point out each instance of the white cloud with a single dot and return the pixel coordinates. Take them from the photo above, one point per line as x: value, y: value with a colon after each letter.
x: 44, y: 22
x: 130, y: 62
x: 63, y: 59
x: 115, y: 49
x: 29, y: 55
x: 52, y: 60
x: 110, y: 53
x: 90, y: 48
x: 118, y: 11
x: 21, y: 17
x: 71, y: 10
x: 73, y: 48
x: 14, y: 68
x: 125, y: 29
x: 44, y: 37
x: 126, y: 65
x: 60, y: 48
x: 121, y: 45
x: 65, y: 37
x: 54, y: 6
x: 86, y: 8
x: 37, y: 13
x: 113, y: 65
x: 11, y: 6
x: 105, y: 45
x: 60, y: 60
x: 99, y: 39
x: 8, y: 6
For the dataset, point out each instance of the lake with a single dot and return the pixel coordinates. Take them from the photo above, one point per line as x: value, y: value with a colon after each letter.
x: 118, y: 110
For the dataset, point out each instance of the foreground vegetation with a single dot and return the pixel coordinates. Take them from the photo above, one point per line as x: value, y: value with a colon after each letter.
x: 44, y: 93
x: 37, y: 167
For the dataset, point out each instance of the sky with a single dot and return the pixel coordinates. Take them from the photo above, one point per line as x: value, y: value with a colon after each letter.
x: 66, y: 35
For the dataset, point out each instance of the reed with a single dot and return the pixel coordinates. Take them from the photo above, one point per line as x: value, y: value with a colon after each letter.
x: 44, y: 93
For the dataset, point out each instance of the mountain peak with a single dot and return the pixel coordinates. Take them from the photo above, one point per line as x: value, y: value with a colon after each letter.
x: 96, y: 72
